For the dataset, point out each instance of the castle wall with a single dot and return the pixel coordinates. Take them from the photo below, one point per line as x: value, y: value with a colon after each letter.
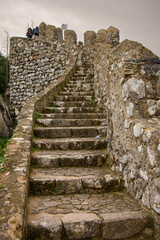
x: 127, y: 87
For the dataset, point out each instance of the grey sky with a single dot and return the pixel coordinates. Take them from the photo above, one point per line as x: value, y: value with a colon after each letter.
x: 136, y: 19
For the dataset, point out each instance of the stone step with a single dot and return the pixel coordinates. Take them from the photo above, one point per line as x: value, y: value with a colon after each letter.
x: 69, y: 110
x: 81, y: 80
x: 65, y: 104
x: 66, y: 132
x: 70, y: 143
x: 74, y: 116
x: 84, y: 93
x: 81, y: 75
x: 70, y: 122
x: 68, y: 180
x: 86, y: 216
x: 80, y: 84
x: 78, y: 89
x: 81, y: 158
x: 85, y: 72
x: 74, y: 98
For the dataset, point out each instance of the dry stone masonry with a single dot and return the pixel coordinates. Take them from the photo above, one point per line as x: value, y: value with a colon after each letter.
x: 96, y: 139
x: 34, y: 65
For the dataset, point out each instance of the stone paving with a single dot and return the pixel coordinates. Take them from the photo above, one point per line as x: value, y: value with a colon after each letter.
x: 77, y: 203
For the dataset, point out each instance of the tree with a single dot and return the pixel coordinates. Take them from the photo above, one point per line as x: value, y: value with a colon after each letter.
x: 3, y: 61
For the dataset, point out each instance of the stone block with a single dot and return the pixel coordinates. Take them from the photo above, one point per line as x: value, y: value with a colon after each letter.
x: 134, y: 88
x: 45, y: 226
x: 81, y: 225
x: 89, y: 38
x: 112, y: 35
x: 42, y: 29
x: 70, y: 37
x: 122, y: 225
x: 101, y: 36
x: 51, y: 32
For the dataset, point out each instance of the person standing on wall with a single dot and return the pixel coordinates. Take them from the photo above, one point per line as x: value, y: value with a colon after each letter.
x: 29, y: 33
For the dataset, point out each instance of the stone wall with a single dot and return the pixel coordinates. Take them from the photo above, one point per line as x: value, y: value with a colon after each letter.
x: 34, y: 64
x: 127, y: 88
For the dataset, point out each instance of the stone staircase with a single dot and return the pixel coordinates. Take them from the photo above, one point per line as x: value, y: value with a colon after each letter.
x: 73, y: 195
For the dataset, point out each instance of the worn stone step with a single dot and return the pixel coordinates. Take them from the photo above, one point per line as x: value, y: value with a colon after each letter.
x: 84, y: 93
x: 66, y: 132
x: 78, y: 89
x: 67, y: 180
x: 77, y: 93
x: 81, y: 75
x: 81, y: 158
x: 69, y: 109
x: 70, y: 122
x: 74, y: 98
x: 74, y: 116
x: 85, y: 72
x: 81, y: 80
x: 80, y: 84
x: 70, y: 143
x: 66, y: 104
x: 107, y: 216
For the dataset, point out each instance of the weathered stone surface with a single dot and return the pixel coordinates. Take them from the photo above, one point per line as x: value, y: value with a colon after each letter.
x: 81, y: 226
x: 126, y: 88
x: 134, y: 88
x: 70, y: 143
x: 70, y: 37
x: 158, y: 88
x: 42, y: 29
x: 66, y: 132
x: 112, y: 35
x: 51, y: 32
x: 5, y: 120
x: 122, y: 225
x: 45, y: 61
x: 71, y: 180
x: 89, y: 38
x: 101, y: 36
x: 83, y: 158
x: 70, y: 122
x: 44, y: 226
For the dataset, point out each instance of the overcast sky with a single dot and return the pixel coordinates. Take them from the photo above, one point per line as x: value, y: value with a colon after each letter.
x: 136, y: 19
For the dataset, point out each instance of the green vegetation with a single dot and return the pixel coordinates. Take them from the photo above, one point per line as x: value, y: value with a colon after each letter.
x: 56, y: 191
x: 32, y: 52
x: 37, y: 116
x: 3, y: 147
x: 53, y: 109
x: 93, y: 100
x: 2, y: 74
